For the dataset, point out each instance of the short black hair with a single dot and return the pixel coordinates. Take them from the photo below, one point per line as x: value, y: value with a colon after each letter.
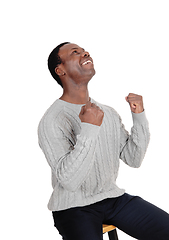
x: 53, y: 61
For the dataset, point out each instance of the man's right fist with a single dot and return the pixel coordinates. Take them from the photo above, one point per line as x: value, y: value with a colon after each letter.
x: 90, y: 113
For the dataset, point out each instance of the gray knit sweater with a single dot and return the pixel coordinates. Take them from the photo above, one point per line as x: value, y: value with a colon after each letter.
x: 84, y: 158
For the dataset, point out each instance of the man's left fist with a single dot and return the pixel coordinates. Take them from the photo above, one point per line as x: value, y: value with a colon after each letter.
x: 136, y: 102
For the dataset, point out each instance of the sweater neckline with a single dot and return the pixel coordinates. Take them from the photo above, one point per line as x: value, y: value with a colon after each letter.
x: 72, y: 104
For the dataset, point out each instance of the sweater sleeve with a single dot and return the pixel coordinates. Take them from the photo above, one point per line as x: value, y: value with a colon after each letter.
x: 133, y: 147
x: 70, y: 164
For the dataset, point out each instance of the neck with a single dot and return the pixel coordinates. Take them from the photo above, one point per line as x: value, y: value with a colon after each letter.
x: 79, y: 95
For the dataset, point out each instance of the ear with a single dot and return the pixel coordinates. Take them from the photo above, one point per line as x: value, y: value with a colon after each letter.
x: 59, y: 71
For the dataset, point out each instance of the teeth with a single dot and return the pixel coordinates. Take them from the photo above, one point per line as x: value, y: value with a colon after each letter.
x: 88, y: 61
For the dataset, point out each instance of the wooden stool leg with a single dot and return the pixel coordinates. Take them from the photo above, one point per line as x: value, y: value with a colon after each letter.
x: 113, y: 235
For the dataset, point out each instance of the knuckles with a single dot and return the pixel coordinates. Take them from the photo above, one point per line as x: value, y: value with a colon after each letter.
x: 92, y: 114
x: 134, y: 97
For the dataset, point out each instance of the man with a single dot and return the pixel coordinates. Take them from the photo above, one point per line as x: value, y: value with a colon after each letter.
x: 83, y: 141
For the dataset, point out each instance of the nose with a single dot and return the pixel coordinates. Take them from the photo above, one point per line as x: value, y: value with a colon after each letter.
x: 85, y: 54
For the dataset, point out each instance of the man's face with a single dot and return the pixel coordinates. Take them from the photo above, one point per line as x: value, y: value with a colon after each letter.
x: 76, y: 63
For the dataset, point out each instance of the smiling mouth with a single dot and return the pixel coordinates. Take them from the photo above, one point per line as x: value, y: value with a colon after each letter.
x: 87, y: 62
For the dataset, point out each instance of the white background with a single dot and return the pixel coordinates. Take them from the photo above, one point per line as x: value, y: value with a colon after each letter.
x: 128, y: 41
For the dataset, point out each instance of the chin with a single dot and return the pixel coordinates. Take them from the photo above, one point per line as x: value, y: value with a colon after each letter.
x: 93, y: 72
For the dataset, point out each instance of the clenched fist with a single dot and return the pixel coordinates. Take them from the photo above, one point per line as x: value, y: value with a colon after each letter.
x: 90, y: 113
x: 136, y: 102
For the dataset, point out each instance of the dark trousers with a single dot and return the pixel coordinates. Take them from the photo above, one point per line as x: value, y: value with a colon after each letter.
x: 133, y: 215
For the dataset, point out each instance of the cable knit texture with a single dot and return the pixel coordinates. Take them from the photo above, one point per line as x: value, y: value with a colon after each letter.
x: 84, y: 158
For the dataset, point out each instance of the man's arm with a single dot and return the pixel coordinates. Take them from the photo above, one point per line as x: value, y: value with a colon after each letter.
x: 72, y: 166
x: 134, y: 146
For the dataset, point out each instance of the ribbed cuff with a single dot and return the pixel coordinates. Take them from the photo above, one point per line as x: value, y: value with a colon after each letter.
x: 89, y: 130
x: 139, y: 117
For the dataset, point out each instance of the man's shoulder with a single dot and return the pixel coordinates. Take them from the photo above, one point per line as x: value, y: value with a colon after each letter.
x: 60, y: 114
x: 55, y: 107
x: 52, y: 113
